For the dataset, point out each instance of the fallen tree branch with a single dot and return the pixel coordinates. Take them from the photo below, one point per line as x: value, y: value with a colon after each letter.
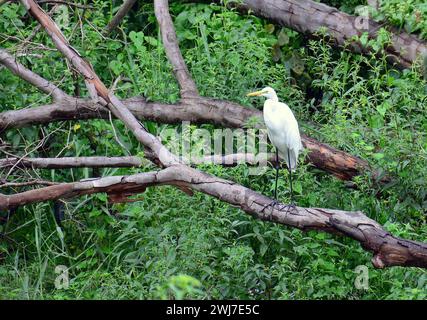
x: 40, y: 83
x: 123, y: 11
x: 27, y: 183
x: 196, y: 110
x: 309, y: 17
x: 128, y: 162
x: 72, y: 162
x: 388, y: 250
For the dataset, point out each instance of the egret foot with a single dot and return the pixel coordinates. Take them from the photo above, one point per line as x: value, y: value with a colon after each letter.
x: 272, y: 204
x: 287, y: 207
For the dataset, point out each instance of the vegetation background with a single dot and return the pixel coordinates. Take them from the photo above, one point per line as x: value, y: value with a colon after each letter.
x: 172, y: 246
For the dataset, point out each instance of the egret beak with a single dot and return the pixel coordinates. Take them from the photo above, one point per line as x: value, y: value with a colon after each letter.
x: 255, y: 94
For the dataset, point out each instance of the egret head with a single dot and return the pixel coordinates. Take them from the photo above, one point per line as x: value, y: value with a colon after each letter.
x: 267, y: 92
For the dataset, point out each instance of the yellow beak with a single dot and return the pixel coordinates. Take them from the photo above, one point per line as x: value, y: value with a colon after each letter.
x: 255, y: 94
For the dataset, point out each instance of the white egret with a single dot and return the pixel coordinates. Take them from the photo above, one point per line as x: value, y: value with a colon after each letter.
x: 283, y: 131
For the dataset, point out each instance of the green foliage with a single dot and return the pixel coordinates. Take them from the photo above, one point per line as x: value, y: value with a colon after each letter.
x: 172, y: 246
x: 409, y: 15
x: 372, y: 110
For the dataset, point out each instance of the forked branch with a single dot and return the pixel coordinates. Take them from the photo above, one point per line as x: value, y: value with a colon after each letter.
x: 96, y: 86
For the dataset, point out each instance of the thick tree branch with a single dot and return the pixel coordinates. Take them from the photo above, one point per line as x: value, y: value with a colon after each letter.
x: 388, y: 250
x: 307, y: 16
x: 72, y: 162
x: 123, y: 11
x: 196, y: 110
x: 40, y: 83
x: 170, y: 42
x: 128, y: 162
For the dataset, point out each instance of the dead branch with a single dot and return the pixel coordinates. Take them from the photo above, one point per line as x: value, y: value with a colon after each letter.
x: 388, y: 250
x: 129, y: 161
x: 27, y: 183
x: 161, y: 155
x: 197, y: 110
x: 40, y: 83
x: 72, y: 162
x: 123, y: 11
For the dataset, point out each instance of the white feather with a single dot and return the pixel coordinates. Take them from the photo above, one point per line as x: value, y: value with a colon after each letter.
x: 282, y: 128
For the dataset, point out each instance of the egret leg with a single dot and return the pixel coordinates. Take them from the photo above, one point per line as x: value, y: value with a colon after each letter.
x: 277, y: 174
x: 290, y: 180
x: 275, y: 202
x: 290, y: 206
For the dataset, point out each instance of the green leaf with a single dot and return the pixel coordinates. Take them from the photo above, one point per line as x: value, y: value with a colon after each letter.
x: 137, y: 38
